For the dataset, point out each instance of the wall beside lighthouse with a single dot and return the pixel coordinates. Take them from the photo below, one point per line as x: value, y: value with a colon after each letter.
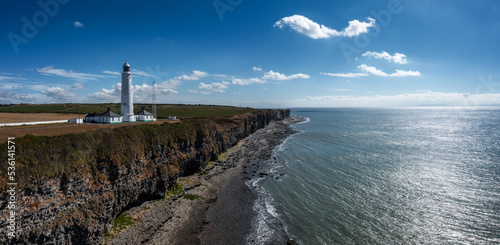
x: 127, y: 103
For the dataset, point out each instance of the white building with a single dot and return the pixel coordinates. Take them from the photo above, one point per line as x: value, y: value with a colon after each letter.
x: 145, y: 116
x: 127, y: 105
x: 106, y: 117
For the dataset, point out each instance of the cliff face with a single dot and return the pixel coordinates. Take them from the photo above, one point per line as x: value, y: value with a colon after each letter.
x: 72, y: 187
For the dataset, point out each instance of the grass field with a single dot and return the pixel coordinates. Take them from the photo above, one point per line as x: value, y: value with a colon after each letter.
x: 11, y: 117
x: 62, y: 128
x: 31, y: 113
x: 163, y: 110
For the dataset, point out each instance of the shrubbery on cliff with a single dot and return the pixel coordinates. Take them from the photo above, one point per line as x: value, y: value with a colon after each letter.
x: 59, y: 156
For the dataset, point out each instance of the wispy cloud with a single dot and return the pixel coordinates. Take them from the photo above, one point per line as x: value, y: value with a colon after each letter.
x: 305, y: 26
x: 8, y: 76
x: 7, y: 97
x: 111, y: 73
x: 370, y: 70
x: 399, y: 73
x: 77, y: 86
x: 59, y: 94
x: 78, y: 24
x: 195, y: 75
x: 346, y: 75
x: 256, y: 68
x: 397, y: 58
x: 271, y: 75
x: 239, y: 81
x: 106, y: 95
x: 213, y: 87
x: 141, y: 73
x: 51, y: 71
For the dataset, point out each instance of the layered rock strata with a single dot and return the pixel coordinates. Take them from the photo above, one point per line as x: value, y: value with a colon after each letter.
x: 72, y: 187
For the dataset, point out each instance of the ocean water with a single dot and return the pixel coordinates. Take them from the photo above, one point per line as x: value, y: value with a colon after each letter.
x: 384, y: 176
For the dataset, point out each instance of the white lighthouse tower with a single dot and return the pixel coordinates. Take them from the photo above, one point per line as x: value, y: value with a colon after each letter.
x: 127, y: 106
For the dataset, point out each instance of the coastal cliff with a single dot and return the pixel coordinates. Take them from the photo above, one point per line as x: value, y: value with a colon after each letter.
x: 72, y: 187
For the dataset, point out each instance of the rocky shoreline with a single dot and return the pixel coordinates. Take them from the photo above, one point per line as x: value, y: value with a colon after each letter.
x: 213, y: 206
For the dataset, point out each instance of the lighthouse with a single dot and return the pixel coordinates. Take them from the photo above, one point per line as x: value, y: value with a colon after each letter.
x: 127, y: 105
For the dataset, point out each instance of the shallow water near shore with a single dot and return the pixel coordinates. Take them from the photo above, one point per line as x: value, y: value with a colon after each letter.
x: 384, y: 176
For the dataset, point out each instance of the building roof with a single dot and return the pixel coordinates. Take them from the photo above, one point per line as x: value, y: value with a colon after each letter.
x: 108, y: 113
x: 144, y: 112
x: 92, y: 115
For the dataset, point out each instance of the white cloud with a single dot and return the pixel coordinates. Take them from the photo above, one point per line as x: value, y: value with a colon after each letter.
x: 397, y: 58
x: 195, y: 75
x: 213, y: 87
x: 8, y: 76
x: 257, y: 68
x: 169, y: 84
x: 271, y: 75
x: 313, y: 30
x: 238, y: 81
x: 78, y: 24
x: 408, y: 99
x: 357, y: 27
x: 77, y: 86
x: 112, y: 73
x: 8, y: 85
x: 141, y: 73
x: 59, y: 94
x: 346, y: 75
x: 192, y: 91
x: 36, y: 87
x: 399, y: 73
x: 51, y: 71
x: 106, y: 95
x: 147, y: 90
x: 7, y: 97
x: 372, y: 70
x: 167, y: 91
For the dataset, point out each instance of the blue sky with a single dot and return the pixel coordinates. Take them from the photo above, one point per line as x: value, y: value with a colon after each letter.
x: 253, y: 53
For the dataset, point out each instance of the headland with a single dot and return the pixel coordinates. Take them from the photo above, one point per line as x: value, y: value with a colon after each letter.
x: 140, y: 181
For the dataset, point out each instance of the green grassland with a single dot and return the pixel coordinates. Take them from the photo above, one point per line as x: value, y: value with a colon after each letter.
x: 163, y: 110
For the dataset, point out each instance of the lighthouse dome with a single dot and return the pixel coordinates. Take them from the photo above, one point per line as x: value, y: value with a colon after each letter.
x: 126, y: 67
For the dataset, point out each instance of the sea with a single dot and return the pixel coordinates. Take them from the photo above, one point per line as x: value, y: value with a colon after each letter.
x: 424, y: 175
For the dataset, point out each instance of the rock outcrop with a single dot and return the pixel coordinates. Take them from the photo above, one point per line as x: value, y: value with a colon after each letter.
x: 72, y: 187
